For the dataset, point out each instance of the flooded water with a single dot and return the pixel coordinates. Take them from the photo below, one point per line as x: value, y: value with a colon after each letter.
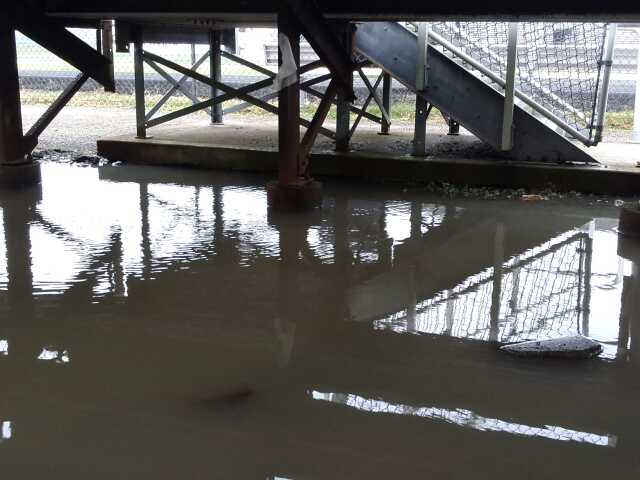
x: 160, y: 324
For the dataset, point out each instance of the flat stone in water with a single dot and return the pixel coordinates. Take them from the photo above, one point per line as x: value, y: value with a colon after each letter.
x: 565, y: 347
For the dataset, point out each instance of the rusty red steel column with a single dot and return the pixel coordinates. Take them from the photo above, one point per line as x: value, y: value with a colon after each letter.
x: 289, y: 110
x: 293, y: 190
x: 16, y: 167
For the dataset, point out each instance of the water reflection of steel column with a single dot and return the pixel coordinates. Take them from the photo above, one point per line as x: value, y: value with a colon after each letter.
x: 629, y: 249
x: 416, y: 220
x: 218, y: 219
x: 343, y: 259
x: 18, y: 207
x: 17, y: 212
x: 385, y: 244
x: 411, y: 299
x: 416, y: 233
x: 144, y: 231
x: 498, y: 259
x: 586, y: 300
x: 295, y: 296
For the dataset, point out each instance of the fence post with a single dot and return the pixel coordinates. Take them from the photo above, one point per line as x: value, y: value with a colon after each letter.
x: 215, y: 72
x: 636, y: 107
x: 607, y: 63
x: 422, y: 109
x: 510, y: 88
x: 138, y: 73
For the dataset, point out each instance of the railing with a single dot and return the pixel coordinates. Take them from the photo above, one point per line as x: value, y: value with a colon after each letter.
x: 587, y: 119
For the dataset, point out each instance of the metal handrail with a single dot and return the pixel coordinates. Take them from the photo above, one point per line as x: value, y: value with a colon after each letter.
x: 549, y: 115
x: 525, y: 76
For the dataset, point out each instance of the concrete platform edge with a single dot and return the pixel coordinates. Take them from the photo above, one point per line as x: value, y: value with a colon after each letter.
x: 379, y: 168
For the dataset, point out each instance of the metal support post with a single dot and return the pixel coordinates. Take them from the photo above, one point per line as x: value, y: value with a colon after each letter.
x: 194, y: 84
x: 293, y: 190
x: 138, y: 70
x: 16, y: 167
x: 635, y: 136
x: 510, y: 88
x: 215, y: 69
x: 386, y: 102
x: 420, y: 127
x: 422, y: 107
x: 342, y: 122
x: 289, y: 112
x: 422, y: 79
x: 11, y: 151
x: 343, y: 108
x: 106, y: 38
x: 104, y: 44
x: 607, y: 63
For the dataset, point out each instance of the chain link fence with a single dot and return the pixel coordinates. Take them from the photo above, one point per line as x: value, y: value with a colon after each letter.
x: 558, y: 65
x: 622, y: 117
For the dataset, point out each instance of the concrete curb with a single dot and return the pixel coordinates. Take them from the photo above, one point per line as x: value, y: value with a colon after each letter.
x: 381, y: 167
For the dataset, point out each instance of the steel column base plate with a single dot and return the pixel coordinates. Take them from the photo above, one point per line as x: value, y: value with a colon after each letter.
x: 19, y: 175
x: 295, y: 197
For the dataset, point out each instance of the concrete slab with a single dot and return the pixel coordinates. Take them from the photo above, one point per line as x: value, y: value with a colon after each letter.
x: 464, y: 160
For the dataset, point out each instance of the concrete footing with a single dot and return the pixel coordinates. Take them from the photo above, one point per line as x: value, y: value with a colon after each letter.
x: 629, y: 248
x: 19, y: 175
x: 305, y: 195
x: 630, y: 221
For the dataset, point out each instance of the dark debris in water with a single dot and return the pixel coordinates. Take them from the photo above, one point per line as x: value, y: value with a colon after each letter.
x: 532, y: 195
x: 565, y: 347
x: 72, y: 158
x: 231, y: 399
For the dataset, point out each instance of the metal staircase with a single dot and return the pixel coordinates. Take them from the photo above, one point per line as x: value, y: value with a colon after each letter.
x: 464, y: 90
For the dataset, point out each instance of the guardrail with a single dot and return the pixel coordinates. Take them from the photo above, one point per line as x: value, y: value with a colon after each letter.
x: 600, y: 108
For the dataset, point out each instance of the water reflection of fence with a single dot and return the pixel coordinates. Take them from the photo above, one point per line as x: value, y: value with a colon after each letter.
x: 542, y: 294
x: 467, y: 419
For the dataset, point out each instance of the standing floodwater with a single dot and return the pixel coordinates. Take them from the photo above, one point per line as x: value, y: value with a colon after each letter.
x: 160, y: 324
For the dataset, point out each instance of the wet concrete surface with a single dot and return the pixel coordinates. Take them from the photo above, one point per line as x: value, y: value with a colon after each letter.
x: 160, y: 323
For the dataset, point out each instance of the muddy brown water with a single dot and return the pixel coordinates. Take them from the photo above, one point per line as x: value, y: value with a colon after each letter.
x: 161, y: 324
